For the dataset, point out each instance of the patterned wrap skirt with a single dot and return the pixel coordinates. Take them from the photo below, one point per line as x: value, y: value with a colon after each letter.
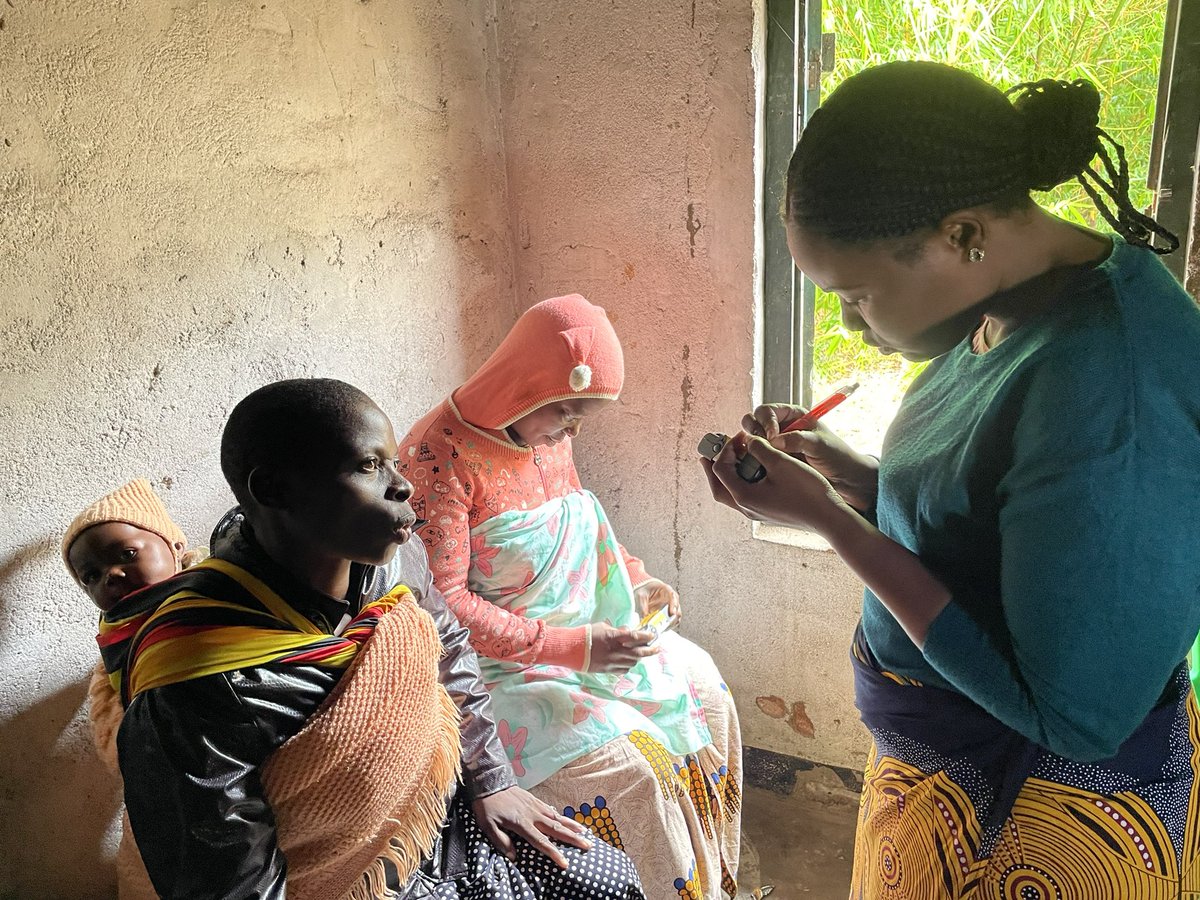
x: 957, y: 805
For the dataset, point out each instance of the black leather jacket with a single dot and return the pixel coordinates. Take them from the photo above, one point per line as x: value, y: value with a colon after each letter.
x: 191, y: 752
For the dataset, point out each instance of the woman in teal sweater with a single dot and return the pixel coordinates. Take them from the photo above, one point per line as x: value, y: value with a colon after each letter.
x: 1028, y: 538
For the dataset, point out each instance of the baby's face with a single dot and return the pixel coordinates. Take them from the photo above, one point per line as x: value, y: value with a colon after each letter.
x: 114, y: 559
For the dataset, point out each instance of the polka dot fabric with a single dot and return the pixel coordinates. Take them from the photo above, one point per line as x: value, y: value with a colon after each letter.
x: 601, y: 873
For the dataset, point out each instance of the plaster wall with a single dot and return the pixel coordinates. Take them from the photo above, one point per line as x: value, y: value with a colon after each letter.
x: 197, y: 198
x: 629, y: 132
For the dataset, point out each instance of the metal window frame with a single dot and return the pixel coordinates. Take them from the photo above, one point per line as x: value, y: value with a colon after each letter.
x: 792, y: 92
x: 1176, y: 143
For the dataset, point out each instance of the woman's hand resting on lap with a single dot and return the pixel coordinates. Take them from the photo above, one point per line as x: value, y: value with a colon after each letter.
x: 617, y: 650
x: 515, y: 811
x: 854, y: 475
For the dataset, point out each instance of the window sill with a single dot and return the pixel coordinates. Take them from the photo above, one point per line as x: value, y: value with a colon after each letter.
x: 789, y: 537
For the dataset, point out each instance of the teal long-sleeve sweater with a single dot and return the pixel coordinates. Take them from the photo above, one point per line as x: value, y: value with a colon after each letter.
x: 1053, y: 485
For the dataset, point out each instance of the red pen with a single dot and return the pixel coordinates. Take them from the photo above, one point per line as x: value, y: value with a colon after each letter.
x: 809, y: 419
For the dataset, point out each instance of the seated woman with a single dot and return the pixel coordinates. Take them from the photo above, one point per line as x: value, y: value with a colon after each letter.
x: 298, y: 707
x: 638, y: 737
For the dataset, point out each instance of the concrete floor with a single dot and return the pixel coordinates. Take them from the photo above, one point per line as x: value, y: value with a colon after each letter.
x: 802, y: 843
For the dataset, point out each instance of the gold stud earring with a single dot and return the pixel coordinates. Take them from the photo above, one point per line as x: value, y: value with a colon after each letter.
x: 975, y: 254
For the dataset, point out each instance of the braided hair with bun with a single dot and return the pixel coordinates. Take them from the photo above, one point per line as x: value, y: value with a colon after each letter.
x: 898, y: 147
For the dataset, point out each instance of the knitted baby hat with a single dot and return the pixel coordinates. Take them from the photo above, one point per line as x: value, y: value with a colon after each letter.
x: 134, y: 504
x: 560, y: 349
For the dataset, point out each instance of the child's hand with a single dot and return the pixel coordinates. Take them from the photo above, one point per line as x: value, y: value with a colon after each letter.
x: 515, y: 811
x: 617, y: 650
x: 652, y: 595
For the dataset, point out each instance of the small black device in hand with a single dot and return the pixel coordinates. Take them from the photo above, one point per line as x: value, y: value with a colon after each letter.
x: 749, y: 468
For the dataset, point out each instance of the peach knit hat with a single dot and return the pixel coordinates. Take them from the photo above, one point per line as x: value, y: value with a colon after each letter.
x: 560, y: 349
x: 134, y: 504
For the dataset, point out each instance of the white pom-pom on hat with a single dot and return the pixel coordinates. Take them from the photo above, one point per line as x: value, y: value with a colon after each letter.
x: 581, y: 377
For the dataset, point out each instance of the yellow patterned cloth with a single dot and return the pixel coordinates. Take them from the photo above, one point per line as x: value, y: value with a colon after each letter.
x: 1075, y: 831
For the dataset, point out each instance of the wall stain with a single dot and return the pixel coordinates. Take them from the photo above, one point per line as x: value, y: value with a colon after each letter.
x: 775, y: 707
x: 693, y: 225
x: 688, y: 391
x: 628, y: 271
x: 797, y: 720
x: 800, y: 722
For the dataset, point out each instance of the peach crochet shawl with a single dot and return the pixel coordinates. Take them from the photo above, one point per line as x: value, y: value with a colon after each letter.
x: 367, y: 778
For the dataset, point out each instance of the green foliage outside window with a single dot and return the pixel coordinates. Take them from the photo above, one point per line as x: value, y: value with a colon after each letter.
x: 1117, y: 44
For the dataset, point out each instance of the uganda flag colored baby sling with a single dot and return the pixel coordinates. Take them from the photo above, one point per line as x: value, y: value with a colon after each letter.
x: 365, y: 782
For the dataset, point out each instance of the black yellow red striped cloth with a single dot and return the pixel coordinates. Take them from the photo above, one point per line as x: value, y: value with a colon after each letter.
x: 180, y: 630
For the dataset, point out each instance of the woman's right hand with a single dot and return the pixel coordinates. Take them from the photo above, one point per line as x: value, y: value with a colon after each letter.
x: 854, y: 475
x: 617, y: 650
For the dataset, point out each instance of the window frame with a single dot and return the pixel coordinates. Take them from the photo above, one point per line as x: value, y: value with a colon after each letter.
x: 1176, y: 143
x: 792, y: 92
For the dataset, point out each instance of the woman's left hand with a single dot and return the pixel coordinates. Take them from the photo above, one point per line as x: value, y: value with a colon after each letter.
x: 792, y: 493
x: 515, y: 811
x: 652, y: 595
